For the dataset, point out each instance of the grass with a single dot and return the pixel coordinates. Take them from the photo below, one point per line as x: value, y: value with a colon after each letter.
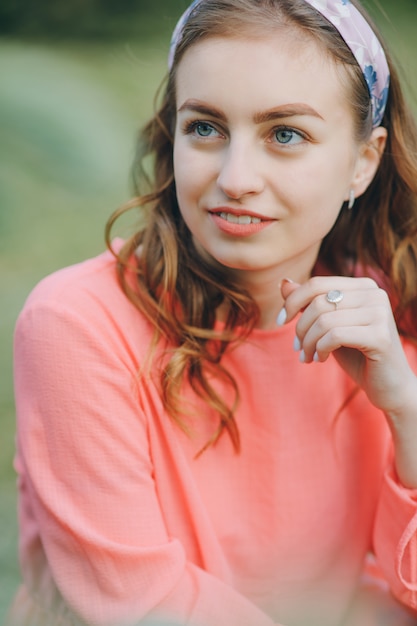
x: 68, y: 118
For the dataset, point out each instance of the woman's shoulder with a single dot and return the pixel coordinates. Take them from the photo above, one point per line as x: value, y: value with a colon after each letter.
x: 89, y: 290
x: 73, y: 284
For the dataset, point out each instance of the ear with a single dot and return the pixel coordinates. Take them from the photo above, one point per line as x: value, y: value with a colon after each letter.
x: 368, y: 160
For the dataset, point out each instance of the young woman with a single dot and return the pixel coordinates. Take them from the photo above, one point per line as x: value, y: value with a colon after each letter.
x: 217, y: 419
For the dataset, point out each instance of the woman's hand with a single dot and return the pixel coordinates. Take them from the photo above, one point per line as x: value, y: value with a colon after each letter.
x: 361, y: 333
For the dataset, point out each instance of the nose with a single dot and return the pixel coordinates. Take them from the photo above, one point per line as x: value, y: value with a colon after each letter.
x: 240, y: 174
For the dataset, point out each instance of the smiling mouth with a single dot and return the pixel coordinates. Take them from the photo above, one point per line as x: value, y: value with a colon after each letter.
x: 235, y: 223
x: 239, y: 219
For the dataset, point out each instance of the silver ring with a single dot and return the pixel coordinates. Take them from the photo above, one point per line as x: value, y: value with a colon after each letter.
x: 334, y: 296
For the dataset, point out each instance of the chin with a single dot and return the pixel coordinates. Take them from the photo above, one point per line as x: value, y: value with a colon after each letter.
x: 237, y: 264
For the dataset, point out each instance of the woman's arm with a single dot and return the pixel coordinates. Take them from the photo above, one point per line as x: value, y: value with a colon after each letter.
x: 88, y: 476
x: 360, y: 332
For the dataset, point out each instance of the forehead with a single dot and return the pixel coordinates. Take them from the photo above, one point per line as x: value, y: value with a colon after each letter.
x: 263, y: 72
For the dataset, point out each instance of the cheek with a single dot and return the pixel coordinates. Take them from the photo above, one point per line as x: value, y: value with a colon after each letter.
x: 319, y: 222
x: 183, y: 177
x: 313, y: 197
x: 322, y: 184
x: 188, y: 189
x: 193, y: 174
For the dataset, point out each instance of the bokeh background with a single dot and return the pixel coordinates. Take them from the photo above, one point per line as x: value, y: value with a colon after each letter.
x: 78, y: 79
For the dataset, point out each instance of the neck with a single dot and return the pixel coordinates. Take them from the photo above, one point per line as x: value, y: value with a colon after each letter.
x: 264, y: 287
x: 264, y: 284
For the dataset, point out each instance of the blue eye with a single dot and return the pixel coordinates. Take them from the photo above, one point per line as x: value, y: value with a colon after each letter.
x: 285, y: 136
x: 199, y: 129
x: 203, y: 129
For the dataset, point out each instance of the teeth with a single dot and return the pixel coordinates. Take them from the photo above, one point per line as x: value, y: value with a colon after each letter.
x: 240, y: 219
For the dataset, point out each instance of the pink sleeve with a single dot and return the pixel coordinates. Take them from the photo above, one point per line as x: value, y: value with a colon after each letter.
x: 87, y: 475
x: 395, y: 536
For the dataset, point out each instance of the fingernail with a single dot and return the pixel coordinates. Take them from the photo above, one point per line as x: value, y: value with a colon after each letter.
x: 297, y: 344
x: 316, y: 357
x: 286, y: 280
x: 302, y: 356
x: 282, y: 317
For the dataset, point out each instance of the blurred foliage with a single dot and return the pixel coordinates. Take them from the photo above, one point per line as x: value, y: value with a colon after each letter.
x: 85, y: 18
x: 109, y: 18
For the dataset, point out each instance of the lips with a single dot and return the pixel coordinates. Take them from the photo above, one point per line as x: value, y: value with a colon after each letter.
x: 231, y: 214
x: 239, y: 219
x: 239, y: 223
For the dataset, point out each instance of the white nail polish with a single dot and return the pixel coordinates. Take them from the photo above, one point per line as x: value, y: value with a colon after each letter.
x: 316, y: 358
x: 282, y: 317
x: 302, y: 356
x: 297, y: 344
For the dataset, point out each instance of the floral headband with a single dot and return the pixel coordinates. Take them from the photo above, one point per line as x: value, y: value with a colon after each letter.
x: 357, y: 34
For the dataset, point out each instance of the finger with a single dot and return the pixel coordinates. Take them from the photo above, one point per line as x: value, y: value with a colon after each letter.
x: 370, y: 303
x: 287, y: 287
x: 329, y: 332
x: 355, y: 338
x: 345, y: 329
x: 301, y: 297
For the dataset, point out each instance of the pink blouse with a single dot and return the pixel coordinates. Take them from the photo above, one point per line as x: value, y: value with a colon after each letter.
x: 121, y: 524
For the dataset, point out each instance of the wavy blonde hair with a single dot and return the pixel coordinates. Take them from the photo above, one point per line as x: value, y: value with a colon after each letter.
x: 178, y: 292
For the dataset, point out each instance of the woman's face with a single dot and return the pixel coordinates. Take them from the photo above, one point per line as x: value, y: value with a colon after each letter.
x: 264, y: 151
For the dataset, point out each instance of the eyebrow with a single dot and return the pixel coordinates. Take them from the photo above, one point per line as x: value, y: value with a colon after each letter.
x: 199, y: 107
x: 276, y: 113
x: 286, y: 110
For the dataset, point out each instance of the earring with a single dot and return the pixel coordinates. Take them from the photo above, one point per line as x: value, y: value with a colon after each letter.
x: 352, y: 199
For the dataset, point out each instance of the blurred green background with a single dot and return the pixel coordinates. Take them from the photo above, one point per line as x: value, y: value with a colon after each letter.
x: 78, y: 79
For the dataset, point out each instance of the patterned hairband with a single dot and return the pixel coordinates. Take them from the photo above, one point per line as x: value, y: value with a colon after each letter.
x: 357, y: 34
